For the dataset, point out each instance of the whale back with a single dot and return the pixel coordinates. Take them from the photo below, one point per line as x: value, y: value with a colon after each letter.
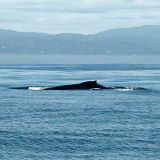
x: 83, y: 85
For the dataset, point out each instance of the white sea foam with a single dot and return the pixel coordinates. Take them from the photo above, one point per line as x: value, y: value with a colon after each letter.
x: 125, y: 89
x: 37, y: 88
x: 95, y: 89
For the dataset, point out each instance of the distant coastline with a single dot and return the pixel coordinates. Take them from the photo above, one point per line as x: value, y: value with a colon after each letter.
x: 128, y: 41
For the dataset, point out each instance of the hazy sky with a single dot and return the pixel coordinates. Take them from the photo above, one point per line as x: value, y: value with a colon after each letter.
x: 77, y: 16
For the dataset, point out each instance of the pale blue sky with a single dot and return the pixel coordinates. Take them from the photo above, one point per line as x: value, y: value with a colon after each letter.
x: 77, y: 16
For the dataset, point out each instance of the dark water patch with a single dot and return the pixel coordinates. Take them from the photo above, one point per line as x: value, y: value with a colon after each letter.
x: 25, y: 87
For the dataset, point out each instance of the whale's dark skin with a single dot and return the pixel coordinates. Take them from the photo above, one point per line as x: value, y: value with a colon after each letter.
x: 83, y: 86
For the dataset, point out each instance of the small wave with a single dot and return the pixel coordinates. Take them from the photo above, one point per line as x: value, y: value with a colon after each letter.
x: 37, y: 88
x: 130, y: 88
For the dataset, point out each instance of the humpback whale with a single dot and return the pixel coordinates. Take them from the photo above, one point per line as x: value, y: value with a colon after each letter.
x: 83, y: 85
x: 87, y: 85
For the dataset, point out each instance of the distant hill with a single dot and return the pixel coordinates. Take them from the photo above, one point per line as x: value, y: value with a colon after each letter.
x: 138, y: 40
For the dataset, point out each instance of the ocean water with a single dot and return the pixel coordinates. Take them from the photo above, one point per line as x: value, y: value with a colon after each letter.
x: 80, y: 124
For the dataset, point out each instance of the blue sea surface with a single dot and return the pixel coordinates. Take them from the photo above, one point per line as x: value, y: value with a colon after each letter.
x: 80, y: 124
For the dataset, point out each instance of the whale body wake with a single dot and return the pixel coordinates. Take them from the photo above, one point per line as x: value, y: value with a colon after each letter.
x: 87, y: 85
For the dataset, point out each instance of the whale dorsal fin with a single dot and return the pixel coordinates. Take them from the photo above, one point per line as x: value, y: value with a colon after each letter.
x: 91, y: 82
x: 94, y: 81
